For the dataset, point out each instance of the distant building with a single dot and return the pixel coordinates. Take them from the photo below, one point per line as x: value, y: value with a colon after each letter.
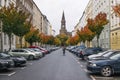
x: 63, y: 26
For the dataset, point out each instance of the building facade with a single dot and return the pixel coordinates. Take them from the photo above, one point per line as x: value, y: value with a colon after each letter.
x: 37, y: 17
x: 115, y: 26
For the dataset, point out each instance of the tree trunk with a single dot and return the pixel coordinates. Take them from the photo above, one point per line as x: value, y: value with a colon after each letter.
x: 10, y: 41
x: 31, y: 44
x: 20, y: 40
x: 97, y: 41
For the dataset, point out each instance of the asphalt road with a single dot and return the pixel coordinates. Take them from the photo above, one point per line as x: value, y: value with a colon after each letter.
x: 54, y: 66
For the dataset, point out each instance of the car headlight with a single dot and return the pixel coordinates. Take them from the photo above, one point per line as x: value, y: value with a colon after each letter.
x: 92, y: 64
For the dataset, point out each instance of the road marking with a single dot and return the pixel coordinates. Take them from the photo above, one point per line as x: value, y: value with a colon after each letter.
x: 11, y: 74
x: 30, y: 63
x: 81, y: 65
x: 92, y: 77
x: 85, y: 70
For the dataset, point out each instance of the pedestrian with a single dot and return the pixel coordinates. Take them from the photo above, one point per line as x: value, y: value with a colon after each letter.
x: 64, y: 50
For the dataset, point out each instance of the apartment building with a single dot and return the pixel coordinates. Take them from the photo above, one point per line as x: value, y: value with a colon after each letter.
x: 115, y: 26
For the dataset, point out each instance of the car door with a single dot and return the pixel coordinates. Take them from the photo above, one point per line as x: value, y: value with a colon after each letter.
x: 14, y: 52
x: 23, y: 53
x: 116, y: 62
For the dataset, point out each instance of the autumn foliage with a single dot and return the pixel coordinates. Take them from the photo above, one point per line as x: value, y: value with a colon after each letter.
x: 73, y: 40
x: 85, y: 34
x: 117, y: 9
x: 96, y: 25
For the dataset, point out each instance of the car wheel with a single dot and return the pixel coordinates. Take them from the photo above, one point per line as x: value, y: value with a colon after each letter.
x: 106, y: 71
x: 31, y: 57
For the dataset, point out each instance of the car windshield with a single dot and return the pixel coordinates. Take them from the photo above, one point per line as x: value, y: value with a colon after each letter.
x: 102, y: 53
x: 115, y: 57
x: 107, y: 54
x: 30, y: 50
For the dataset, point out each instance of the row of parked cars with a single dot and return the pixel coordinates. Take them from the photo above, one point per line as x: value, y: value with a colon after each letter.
x: 19, y: 57
x: 105, y: 62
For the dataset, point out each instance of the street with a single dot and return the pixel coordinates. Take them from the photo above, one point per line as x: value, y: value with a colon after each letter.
x: 54, y: 66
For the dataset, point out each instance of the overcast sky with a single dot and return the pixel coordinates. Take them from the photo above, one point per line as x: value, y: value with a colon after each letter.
x: 53, y: 9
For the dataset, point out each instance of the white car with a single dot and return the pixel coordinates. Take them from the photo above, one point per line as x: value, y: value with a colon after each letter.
x: 25, y: 53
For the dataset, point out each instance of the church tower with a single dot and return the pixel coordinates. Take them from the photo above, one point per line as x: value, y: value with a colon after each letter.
x: 63, y: 25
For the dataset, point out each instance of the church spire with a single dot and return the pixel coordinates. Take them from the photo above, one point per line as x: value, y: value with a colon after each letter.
x: 63, y: 22
x: 63, y: 16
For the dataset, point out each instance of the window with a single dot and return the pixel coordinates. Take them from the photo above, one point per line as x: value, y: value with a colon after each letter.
x: 14, y: 50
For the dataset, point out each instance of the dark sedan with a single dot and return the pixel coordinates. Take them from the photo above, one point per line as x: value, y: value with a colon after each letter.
x: 18, y: 61
x: 89, y: 51
x: 107, y: 66
x: 6, y: 63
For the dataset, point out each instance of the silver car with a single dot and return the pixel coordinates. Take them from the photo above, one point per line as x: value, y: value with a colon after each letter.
x: 25, y: 53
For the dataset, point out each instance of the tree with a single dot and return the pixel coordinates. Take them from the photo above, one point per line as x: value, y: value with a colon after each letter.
x: 89, y: 34
x: 97, y: 25
x: 14, y: 21
x: 82, y: 35
x: 73, y: 40
x: 21, y: 26
x: 50, y: 40
x: 32, y: 36
x: 7, y: 16
x: 63, y: 38
x: 57, y: 41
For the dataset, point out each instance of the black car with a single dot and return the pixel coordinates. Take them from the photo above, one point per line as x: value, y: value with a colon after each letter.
x: 107, y: 66
x: 105, y: 54
x: 18, y: 61
x: 6, y: 63
x: 89, y: 51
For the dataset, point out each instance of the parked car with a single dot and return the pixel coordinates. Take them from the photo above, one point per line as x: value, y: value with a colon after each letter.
x: 89, y: 51
x: 25, y: 53
x: 106, y: 67
x: 35, y: 51
x: 18, y: 61
x: 93, y: 56
x: 6, y: 63
x: 38, y: 50
x: 45, y: 51
x: 103, y: 55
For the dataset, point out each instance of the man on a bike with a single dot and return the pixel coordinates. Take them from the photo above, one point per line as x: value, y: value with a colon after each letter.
x: 64, y: 50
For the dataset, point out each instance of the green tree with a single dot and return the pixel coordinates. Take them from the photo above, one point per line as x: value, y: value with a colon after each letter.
x: 7, y: 17
x: 21, y: 25
x: 63, y: 38
x: 32, y: 36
